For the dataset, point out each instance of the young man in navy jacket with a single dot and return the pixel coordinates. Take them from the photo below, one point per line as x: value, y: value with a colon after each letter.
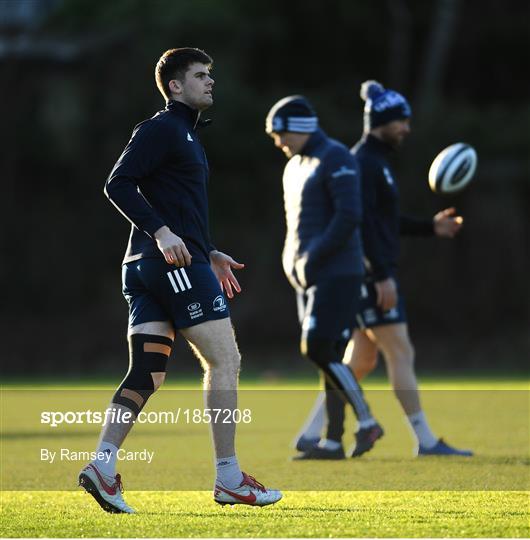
x: 173, y: 278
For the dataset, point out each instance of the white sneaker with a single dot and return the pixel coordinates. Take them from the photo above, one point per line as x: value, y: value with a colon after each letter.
x: 250, y: 491
x: 105, y: 489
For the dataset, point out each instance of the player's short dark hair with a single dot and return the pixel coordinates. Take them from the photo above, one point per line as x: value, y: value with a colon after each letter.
x: 174, y: 63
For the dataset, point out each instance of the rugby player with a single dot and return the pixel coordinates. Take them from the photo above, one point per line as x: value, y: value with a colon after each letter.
x: 322, y: 256
x: 381, y: 322
x: 173, y: 278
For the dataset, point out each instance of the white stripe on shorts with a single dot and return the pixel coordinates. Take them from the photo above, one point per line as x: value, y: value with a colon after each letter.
x: 185, y: 276
x: 173, y: 284
x: 179, y: 280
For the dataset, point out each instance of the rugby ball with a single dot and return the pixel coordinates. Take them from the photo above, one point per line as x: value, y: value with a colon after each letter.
x: 452, y: 169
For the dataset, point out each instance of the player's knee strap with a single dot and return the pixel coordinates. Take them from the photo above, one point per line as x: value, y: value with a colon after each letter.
x: 319, y: 350
x: 340, y: 347
x: 148, y: 355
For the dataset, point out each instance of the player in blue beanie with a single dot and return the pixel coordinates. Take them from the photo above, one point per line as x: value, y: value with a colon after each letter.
x: 382, y: 106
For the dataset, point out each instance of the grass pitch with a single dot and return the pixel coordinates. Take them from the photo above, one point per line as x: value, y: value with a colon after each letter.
x: 387, y: 493
x: 299, y: 514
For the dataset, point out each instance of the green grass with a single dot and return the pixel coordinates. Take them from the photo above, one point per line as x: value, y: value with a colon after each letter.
x: 276, y: 379
x: 299, y: 514
x: 386, y: 493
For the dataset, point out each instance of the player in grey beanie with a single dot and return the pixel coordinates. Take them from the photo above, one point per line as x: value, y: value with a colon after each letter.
x: 322, y: 257
x: 292, y: 113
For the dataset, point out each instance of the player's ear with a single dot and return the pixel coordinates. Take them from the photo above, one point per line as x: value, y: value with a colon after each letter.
x: 175, y: 86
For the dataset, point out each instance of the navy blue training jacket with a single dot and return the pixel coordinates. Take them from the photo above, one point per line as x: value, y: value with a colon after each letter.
x: 323, y: 213
x: 382, y: 222
x: 161, y: 179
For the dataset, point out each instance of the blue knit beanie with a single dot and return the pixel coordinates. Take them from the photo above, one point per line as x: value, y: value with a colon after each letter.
x: 292, y: 113
x: 382, y: 106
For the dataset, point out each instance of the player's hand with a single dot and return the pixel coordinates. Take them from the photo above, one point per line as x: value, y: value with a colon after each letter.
x: 447, y: 224
x: 222, y: 265
x: 386, y: 293
x: 300, y: 267
x: 172, y: 247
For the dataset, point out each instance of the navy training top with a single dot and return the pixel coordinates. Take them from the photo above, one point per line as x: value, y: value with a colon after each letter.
x: 382, y: 222
x: 161, y: 179
x: 323, y: 213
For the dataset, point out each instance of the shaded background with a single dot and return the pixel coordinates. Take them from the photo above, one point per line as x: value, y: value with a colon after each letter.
x: 77, y: 75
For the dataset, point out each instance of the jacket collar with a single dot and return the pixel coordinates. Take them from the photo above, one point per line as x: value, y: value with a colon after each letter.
x: 316, y: 139
x: 377, y: 144
x: 186, y: 112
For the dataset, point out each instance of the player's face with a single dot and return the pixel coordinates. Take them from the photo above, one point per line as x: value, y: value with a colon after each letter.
x: 395, y: 132
x: 289, y: 143
x: 196, y: 89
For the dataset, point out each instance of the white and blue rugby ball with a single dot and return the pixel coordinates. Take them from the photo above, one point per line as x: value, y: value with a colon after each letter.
x: 452, y: 169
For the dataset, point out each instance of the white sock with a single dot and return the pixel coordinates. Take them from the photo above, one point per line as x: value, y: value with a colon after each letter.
x: 228, y: 472
x: 366, y: 423
x: 106, y: 455
x: 316, y: 419
x: 329, y: 444
x: 421, y: 429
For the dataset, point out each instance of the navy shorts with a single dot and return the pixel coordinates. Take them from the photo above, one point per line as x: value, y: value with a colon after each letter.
x: 326, y: 309
x: 370, y: 314
x: 157, y: 291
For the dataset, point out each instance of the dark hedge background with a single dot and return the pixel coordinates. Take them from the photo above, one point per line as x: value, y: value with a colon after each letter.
x: 77, y: 75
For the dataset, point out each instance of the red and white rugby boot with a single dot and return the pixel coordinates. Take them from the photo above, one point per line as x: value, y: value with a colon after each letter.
x: 105, y: 489
x: 250, y: 491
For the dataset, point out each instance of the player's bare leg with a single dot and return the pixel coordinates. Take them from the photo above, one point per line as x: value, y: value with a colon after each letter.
x: 361, y: 354
x: 394, y: 342
x: 147, y: 341
x: 215, y: 345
